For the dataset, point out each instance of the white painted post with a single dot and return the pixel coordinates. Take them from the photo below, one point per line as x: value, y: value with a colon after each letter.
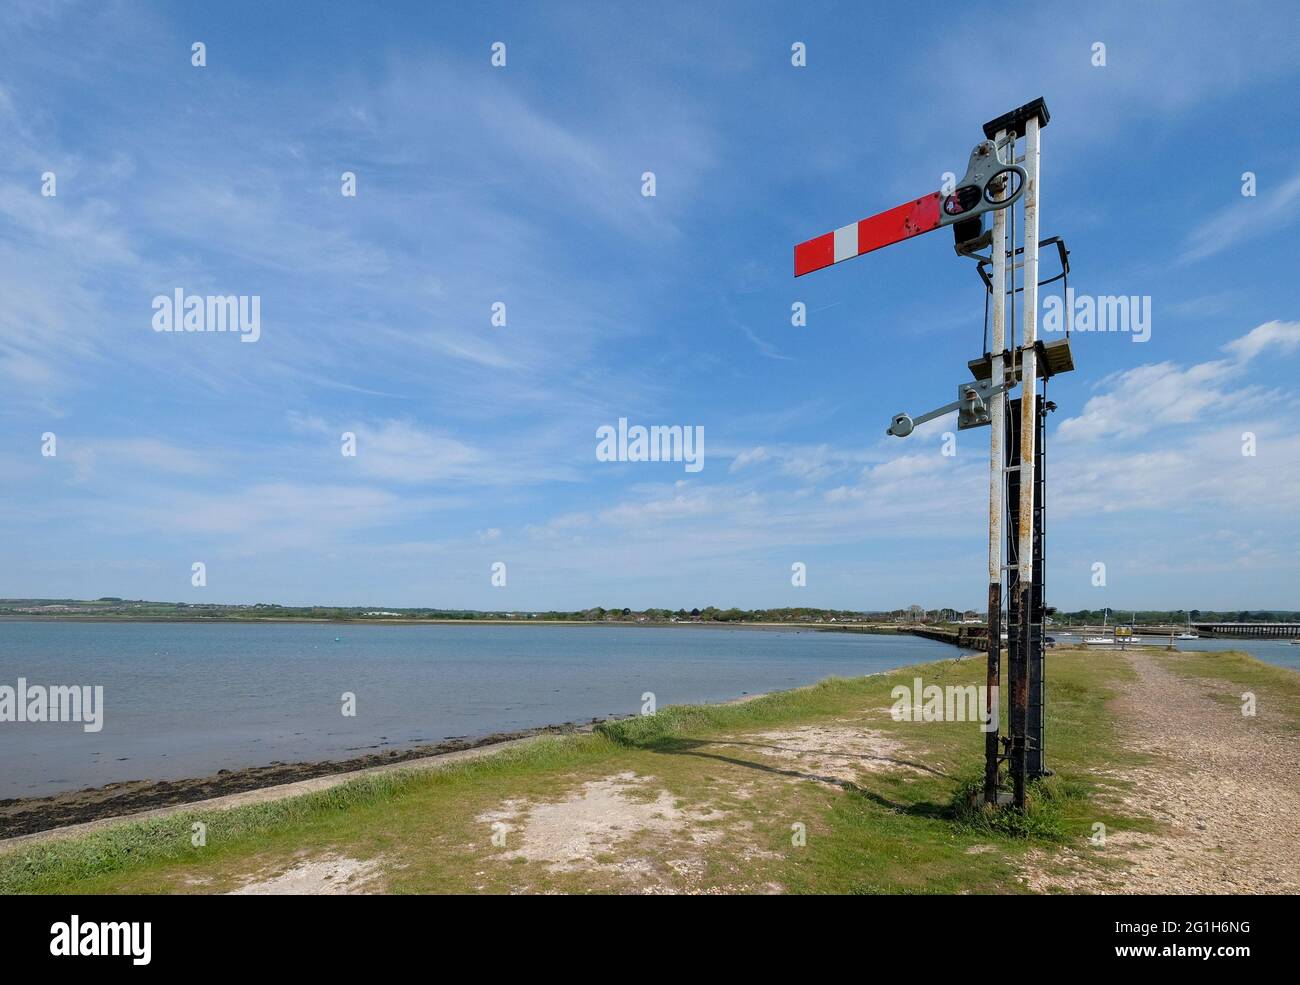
x: 997, y: 488
x: 1021, y: 696
x: 997, y: 403
x: 1029, y: 360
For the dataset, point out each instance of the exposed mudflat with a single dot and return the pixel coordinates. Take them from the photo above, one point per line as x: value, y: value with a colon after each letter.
x: 26, y: 815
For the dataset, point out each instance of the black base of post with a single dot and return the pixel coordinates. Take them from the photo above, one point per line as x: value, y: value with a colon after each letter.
x: 1023, y: 747
x: 1025, y: 619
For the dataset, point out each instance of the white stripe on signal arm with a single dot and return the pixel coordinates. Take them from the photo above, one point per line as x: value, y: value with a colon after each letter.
x: 846, y: 242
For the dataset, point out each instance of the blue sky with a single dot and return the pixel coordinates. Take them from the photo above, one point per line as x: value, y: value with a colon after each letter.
x: 476, y: 443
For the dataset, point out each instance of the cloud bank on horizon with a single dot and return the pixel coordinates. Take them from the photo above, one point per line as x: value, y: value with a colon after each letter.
x: 500, y: 288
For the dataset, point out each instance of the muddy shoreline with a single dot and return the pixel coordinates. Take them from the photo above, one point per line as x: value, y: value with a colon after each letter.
x: 28, y: 815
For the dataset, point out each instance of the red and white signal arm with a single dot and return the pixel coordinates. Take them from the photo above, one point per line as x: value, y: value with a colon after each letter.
x: 897, y: 224
x: 992, y: 181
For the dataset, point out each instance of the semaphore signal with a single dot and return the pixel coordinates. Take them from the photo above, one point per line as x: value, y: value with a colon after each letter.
x: 996, y: 180
x: 982, y: 190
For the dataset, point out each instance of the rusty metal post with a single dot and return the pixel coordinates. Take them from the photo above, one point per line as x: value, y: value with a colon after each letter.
x: 1017, y: 668
x: 997, y: 410
x: 1036, y: 667
x: 1028, y: 432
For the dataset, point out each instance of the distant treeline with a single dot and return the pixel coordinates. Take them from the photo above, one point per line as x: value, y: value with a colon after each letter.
x: 110, y: 607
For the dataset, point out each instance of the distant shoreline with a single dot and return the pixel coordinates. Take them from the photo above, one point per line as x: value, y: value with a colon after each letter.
x: 305, y: 620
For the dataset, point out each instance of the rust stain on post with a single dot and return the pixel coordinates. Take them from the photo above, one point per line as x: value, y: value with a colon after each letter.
x: 992, y: 703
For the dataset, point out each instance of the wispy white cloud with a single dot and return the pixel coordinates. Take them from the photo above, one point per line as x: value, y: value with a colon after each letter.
x: 403, y: 452
x: 1153, y: 395
x: 1279, y: 335
x: 1275, y: 211
x: 745, y: 458
x: 87, y: 457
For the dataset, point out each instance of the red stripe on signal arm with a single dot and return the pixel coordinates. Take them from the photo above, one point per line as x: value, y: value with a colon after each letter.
x: 900, y: 223
x: 814, y: 254
x: 897, y: 224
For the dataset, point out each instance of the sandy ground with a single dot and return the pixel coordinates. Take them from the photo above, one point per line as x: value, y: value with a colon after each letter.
x: 329, y: 875
x: 1227, y: 785
x: 835, y: 754
x: 631, y: 831
x: 618, y: 824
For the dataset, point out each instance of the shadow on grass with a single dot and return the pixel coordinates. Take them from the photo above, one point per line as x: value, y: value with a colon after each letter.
x: 681, y: 746
x: 835, y: 755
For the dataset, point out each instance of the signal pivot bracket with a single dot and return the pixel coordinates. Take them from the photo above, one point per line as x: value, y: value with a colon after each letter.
x: 971, y: 405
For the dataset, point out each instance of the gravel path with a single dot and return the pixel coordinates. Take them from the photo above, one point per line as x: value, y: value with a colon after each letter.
x: 1227, y: 785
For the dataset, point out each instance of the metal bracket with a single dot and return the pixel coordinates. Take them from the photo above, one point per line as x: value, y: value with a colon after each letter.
x: 973, y: 398
x: 1063, y: 254
x: 971, y: 406
x: 985, y: 177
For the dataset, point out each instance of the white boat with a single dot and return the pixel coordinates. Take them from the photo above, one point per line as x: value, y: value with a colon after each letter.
x: 1187, y: 636
x: 1132, y: 636
x: 1100, y: 640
